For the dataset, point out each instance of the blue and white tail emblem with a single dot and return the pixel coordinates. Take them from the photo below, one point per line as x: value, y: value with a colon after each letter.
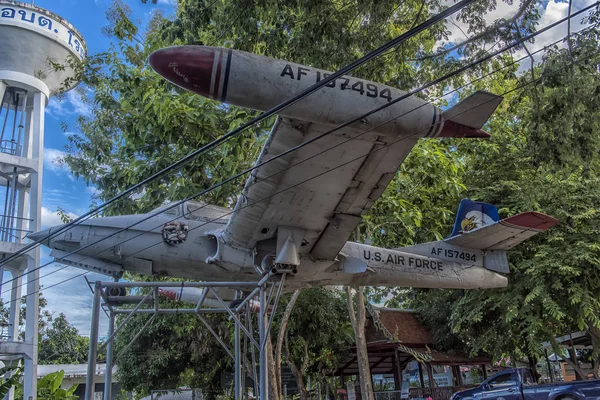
x: 472, y: 215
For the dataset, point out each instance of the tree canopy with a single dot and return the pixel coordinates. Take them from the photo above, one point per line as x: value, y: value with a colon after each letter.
x: 542, y: 156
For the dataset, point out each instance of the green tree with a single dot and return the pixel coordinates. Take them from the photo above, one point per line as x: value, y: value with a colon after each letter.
x: 49, y: 388
x: 140, y: 123
x: 62, y: 344
x: 546, y: 134
x: 317, y: 337
x: 174, y: 350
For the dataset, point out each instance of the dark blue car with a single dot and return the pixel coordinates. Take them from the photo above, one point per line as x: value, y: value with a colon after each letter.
x: 518, y: 384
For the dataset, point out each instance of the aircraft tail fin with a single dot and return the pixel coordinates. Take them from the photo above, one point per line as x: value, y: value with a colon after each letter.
x: 481, y: 239
x: 473, y: 215
x: 475, y: 110
x: 500, y: 235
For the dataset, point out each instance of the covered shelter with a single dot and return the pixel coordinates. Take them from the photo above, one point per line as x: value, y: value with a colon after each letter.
x: 395, y: 338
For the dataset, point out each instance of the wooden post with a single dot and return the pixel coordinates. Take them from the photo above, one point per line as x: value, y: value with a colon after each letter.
x: 459, y: 378
x: 430, y: 376
x: 484, y: 369
x: 421, y: 376
x: 396, y: 371
x: 550, y: 370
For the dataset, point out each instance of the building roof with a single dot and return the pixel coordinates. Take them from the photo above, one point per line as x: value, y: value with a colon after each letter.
x: 403, y: 326
x: 71, y: 370
x: 396, y: 336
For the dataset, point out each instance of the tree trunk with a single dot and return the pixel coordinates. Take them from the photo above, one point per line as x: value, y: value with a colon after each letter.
x: 595, y: 336
x: 572, y: 361
x: 362, y: 356
x: 579, y: 374
x: 532, y: 360
x: 295, y: 371
x: 273, y: 387
x: 281, y: 336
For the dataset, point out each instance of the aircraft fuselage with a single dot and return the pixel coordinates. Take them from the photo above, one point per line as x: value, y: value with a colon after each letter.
x: 171, y: 245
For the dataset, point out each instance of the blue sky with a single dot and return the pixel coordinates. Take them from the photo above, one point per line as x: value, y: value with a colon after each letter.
x: 61, y: 189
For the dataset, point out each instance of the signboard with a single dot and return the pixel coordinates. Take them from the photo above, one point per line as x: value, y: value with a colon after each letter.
x: 350, y: 390
x: 405, y: 386
x: 44, y: 22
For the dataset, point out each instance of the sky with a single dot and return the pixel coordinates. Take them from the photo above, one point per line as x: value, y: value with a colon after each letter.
x: 62, y: 189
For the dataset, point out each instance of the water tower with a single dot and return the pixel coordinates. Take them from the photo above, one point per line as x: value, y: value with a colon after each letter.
x: 31, y: 40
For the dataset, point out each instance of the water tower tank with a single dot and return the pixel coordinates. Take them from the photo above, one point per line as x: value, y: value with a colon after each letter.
x: 30, y: 38
x: 31, y: 41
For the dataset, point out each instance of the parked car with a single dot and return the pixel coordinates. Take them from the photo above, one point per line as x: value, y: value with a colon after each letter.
x: 519, y: 384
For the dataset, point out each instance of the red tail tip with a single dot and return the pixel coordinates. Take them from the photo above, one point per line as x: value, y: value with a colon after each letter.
x: 452, y: 129
x: 168, y: 293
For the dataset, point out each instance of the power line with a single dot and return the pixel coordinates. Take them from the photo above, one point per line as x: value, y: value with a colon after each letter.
x: 335, y: 168
x: 175, y: 204
x: 274, y: 110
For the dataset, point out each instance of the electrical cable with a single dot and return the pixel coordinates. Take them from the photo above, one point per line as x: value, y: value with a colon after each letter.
x: 325, y: 172
x: 272, y: 111
x: 175, y: 204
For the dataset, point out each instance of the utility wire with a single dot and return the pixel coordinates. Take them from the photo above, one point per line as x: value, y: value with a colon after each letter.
x: 335, y: 168
x: 274, y: 110
x: 175, y: 204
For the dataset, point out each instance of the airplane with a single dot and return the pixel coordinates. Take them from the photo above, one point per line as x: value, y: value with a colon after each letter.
x: 296, y: 213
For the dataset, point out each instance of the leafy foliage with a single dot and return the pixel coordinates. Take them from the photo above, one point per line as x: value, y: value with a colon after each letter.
x: 49, y: 388
x: 551, y: 151
x: 319, y: 331
x: 62, y: 344
x: 139, y: 124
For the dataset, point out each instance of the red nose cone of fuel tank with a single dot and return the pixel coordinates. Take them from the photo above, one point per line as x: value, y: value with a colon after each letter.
x: 189, y: 67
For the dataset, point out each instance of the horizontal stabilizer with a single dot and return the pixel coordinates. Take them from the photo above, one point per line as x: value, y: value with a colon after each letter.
x: 475, y: 110
x: 504, y: 234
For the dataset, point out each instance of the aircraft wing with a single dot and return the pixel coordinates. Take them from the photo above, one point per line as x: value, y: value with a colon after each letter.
x: 321, y: 193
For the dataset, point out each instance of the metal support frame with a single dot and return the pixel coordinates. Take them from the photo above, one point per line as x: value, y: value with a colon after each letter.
x: 244, y: 341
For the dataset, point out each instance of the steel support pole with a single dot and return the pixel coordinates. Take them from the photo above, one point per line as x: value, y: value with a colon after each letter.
x: 33, y: 257
x: 237, y: 377
x: 127, y: 318
x: 90, y: 382
x: 109, y: 358
x: 263, y: 359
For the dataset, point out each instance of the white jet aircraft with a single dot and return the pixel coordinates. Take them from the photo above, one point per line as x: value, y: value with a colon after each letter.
x: 296, y: 213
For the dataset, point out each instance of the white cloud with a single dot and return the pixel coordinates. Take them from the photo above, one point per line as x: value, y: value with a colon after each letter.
x: 71, y: 103
x: 92, y: 190
x: 552, y: 12
x: 52, y: 159
x: 168, y: 2
x: 52, y: 162
x: 51, y: 218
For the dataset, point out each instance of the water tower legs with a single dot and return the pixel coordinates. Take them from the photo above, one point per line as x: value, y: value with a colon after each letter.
x: 21, y: 163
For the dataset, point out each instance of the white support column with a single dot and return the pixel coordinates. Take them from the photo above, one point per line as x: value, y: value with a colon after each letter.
x: 3, y: 87
x: 33, y: 261
x: 22, y: 213
x: 28, y: 136
x: 13, y: 316
x: 15, y: 302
